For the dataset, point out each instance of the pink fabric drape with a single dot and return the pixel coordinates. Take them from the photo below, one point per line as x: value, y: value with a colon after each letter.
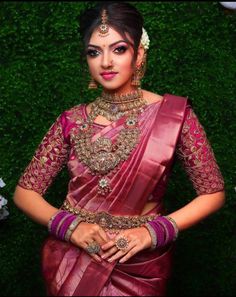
x: 67, y: 269
x: 168, y: 128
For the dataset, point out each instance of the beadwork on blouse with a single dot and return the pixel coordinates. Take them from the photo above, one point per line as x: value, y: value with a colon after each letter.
x: 198, y: 158
x: 48, y: 160
x: 193, y: 149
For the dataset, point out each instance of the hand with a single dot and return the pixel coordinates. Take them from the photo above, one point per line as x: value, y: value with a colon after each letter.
x: 138, y: 239
x: 87, y: 233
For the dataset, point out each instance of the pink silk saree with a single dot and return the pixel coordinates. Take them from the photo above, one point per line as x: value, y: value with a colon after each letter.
x: 69, y: 270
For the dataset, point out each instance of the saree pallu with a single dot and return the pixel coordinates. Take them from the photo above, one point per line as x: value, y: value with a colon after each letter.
x: 69, y: 270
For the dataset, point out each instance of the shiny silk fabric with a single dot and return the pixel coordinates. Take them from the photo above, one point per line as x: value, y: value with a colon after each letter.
x: 69, y: 270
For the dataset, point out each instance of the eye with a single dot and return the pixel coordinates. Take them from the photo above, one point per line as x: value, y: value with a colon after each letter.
x: 92, y: 53
x: 120, y: 49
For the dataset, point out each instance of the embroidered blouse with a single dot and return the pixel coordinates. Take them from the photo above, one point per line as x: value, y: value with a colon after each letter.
x: 56, y: 148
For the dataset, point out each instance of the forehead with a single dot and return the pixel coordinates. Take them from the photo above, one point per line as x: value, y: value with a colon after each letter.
x: 112, y: 36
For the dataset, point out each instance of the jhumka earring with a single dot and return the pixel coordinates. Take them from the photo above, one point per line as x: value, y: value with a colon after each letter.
x: 136, y: 80
x: 92, y: 84
x: 139, y: 73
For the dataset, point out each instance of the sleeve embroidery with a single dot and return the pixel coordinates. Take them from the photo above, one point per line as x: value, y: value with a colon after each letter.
x: 48, y: 160
x: 198, y: 158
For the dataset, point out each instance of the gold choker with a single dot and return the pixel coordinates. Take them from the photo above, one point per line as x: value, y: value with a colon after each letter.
x: 114, y: 106
x: 136, y: 95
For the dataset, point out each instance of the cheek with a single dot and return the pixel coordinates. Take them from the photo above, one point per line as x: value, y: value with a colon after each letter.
x: 126, y: 65
x: 92, y: 65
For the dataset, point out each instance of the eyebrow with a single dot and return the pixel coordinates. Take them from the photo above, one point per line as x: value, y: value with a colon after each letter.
x: 111, y: 45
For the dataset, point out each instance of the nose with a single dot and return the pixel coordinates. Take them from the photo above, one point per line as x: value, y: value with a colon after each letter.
x: 106, y: 62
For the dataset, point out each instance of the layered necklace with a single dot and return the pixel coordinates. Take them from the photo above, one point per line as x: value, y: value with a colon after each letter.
x: 103, y: 155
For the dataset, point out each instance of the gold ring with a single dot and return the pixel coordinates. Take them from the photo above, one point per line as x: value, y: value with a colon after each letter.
x: 93, y: 248
x: 122, y: 243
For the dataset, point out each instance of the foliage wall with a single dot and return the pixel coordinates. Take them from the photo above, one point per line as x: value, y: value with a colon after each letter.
x: 192, y: 53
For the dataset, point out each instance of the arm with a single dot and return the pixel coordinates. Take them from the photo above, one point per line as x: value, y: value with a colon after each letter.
x: 200, y: 164
x: 33, y: 205
x: 198, y: 209
x: 48, y: 160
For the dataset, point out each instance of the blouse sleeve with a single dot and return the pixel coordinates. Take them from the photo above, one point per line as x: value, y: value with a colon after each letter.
x: 48, y: 160
x: 197, y: 156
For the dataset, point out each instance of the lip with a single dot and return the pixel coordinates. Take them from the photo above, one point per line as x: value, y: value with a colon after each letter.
x: 108, y: 75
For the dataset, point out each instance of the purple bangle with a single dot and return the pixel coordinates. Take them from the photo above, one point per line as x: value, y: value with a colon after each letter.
x: 65, y: 225
x: 159, y: 232
x: 175, y: 226
x: 169, y: 230
x: 55, y: 219
x: 165, y: 229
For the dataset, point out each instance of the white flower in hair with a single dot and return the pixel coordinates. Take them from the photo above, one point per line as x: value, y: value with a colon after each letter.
x: 3, y: 203
x: 145, y: 41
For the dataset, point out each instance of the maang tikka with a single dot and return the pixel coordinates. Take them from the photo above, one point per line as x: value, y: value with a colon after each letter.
x: 104, y: 28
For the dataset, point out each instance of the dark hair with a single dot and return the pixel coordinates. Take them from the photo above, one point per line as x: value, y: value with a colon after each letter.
x: 123, y: 17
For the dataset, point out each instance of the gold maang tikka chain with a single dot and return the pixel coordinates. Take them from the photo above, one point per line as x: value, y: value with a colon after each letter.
x: 103, y: 156
x: 103, y: 28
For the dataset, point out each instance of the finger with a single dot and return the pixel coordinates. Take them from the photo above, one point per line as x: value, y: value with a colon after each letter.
x: 110, y: 252
x: 116, y: 256
x: 103, y: 236
x: 96, y: 258
x: 121, y: 253
x: 108, y: 245
x: 94, y: 255
x: 131, y: 252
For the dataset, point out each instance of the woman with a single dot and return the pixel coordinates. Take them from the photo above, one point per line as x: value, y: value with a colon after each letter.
x: 112, y: 236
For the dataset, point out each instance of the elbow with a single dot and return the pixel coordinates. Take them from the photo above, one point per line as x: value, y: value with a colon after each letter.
x: 19, y: 196
x: 220, y: 199
x: 16, y: 196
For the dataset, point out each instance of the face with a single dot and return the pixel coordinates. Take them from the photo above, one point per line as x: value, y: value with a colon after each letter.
x: 110, y: 61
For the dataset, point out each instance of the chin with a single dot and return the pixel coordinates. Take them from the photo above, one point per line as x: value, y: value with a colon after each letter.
x: 110, y: 87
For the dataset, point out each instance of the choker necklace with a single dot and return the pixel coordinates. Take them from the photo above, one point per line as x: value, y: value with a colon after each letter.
x: 123, y: 98
x: 103, y: 156
x: 113, y: 106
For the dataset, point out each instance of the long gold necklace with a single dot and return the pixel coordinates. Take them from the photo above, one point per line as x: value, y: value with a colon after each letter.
x: 103, y: 155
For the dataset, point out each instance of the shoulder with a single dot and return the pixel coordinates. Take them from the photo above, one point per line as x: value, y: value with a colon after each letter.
x: 151, y: 97
x: 74, y: 114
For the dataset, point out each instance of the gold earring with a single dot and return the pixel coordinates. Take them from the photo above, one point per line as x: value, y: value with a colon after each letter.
x: 139, y: 72
x: 92, y: 84
x: 136, y: 78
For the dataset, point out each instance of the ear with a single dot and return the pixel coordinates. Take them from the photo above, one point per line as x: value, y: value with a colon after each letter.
x: 140, y: 55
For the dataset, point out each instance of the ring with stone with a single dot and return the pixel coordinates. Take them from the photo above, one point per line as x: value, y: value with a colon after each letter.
x: 122, y: 243
x: 93, y: 247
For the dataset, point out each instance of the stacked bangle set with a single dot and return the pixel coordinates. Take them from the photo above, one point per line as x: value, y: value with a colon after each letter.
x: 163, y: 229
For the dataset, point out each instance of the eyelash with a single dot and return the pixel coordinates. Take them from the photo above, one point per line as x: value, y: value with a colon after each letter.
x: 121, y: 49
x: 94, y: 53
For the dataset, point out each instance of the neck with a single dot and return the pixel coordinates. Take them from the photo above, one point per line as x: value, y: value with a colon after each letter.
x: 115, y: 97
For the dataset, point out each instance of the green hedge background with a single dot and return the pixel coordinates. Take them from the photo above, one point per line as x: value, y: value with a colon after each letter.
x: 192, y: 53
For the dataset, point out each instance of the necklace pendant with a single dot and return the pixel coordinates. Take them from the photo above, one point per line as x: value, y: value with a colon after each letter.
x: 114, y: 109
x: 103, y: 186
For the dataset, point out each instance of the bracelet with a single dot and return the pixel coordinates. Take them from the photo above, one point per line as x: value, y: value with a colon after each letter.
x: 53, y: 218
x: 173, y: 222
x: 152, y: 234
x: 72, y: 227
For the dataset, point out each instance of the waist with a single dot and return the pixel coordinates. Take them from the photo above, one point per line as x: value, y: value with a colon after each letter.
x: 108, y: 221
